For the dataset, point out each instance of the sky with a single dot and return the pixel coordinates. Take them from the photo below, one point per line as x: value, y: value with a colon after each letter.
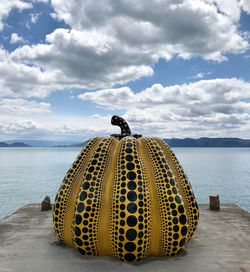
x: 171, y: 68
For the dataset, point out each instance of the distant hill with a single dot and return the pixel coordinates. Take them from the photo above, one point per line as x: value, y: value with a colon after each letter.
x: 15, y: 144
x: 3, y: 144
x: 201, y: 142
x: 173, y: 142
x: 208, y: 142
x: 79, y: 144
x: 41, y: 143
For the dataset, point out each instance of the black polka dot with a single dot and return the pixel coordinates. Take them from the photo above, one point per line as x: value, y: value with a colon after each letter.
x: 183, y: 219
x: 121, y: 231
x: 176, y: 228
x: 88, y: 177
x: 84, y: 230
x: 86, y: 215
x: 131, y: 175
x: 77, y: 231
x: 122, y: 198
x: 132, y: 207
x: 184, y: 231
x: 129, y: 158
x: 80, y: 207
x: 131, y: 221
x: 129, y: 257
x: 174, y: 212
x: 182, y: 242
x: 132, y: 196
x: 78, y: 219
x: 121, y: 238
x: 140, y: 196
x: 176, y: 236
x: 177, y: 199
x: 172, y: 182
x: 171, y: 199
x: 175, y: 220
x: 78, y: 242
x: 90, y: 195
x: 140, y: 226
x: 128, y: 150
x: 83, y: 195
x: 85, y: 185
x: 122, y: 207
x: 130, y: 166
x: 141, y: 211
x: 174, y: 190
x: 94, y: 162
x: 83, y: 252
x: 181, y: 209
x: 131, y: 234
x: 170, y: 174
x: 130, y: 246
x: 132, y: 185
x: 173, y: 206
x: 175, y: 243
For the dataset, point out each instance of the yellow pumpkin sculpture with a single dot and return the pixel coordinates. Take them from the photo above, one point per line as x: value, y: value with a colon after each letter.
x: 126, y: 196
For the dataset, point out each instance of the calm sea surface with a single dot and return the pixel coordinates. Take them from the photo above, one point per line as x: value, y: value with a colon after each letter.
x: 29, y: 174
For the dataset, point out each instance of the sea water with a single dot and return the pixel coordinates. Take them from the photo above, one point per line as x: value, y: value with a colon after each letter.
x: 27, y: 175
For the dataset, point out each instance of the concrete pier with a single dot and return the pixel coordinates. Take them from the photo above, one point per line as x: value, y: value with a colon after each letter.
x: 221, y: 243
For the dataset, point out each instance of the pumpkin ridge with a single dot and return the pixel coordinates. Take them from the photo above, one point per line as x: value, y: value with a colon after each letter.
x: 130, y: 210
x: 87, y: 215
x: 104, y: 235
x: 184, y: 186
x: 64, y: 195
x: 173, y: 240
x: 147, y: 165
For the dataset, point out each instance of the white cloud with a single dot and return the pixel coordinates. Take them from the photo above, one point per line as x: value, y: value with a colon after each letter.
x: 21, y: 80
x: 115, y: 42
x: 75, y: 129
x: 23, y: 107
x: 15, y: 38
x: 215, y: 108
x: 75, y: 59
x: 229, y: 7
x: 118, y: 98
x: 245, y: 4
x: 206, y: 107
x: 33, y: 19
x: 40, y: 1
x: 199, y: 75
x: 205, y: 28
x: 7, y: 5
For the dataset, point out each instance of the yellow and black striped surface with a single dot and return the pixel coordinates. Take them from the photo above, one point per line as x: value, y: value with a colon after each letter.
x: 128, y: 198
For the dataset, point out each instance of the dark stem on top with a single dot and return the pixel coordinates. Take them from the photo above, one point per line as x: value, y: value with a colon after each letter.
x: 119, y: 121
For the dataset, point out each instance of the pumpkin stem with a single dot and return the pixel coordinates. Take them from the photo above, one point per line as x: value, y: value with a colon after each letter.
x: 119, y: 121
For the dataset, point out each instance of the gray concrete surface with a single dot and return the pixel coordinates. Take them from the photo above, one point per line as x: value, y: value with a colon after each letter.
x: 28, y: 243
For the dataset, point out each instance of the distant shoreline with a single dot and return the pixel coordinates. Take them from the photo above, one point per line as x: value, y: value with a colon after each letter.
x: 173, y: 142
